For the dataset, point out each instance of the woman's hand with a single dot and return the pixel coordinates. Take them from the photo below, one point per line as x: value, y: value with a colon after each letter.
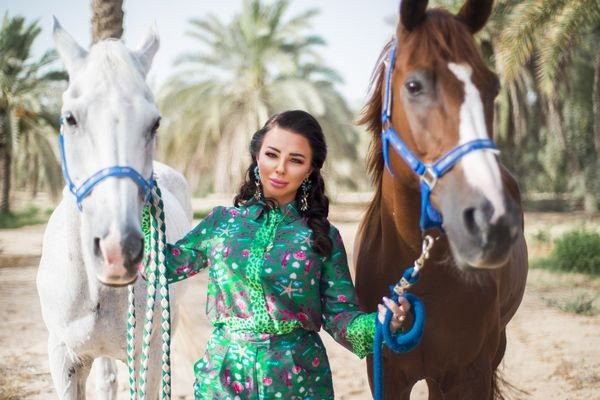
x: 398, y: 309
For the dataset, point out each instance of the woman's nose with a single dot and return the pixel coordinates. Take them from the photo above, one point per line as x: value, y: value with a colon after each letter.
x: 280, y: 167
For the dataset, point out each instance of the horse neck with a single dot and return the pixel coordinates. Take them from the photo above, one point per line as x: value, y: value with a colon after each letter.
x: 400, y: 204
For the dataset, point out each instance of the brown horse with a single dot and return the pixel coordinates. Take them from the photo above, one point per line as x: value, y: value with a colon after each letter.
x: 473, y: 282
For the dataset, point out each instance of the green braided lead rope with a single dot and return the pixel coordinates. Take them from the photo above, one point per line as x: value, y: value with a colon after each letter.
x: 153, y: 221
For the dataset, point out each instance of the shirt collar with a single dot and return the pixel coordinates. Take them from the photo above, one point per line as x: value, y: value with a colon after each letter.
x: 290, y: 211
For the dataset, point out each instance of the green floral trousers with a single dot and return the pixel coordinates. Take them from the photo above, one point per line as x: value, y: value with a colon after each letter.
x: 251, y: 366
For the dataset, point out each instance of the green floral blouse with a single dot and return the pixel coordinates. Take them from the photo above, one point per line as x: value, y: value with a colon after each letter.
x: 264, y: 276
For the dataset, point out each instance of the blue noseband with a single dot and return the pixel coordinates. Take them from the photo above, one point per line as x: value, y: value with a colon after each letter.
x: 428, y: 173
x: 87, y: 186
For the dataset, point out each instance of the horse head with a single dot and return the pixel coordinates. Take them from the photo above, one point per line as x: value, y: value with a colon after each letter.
x: 439, y: 96
x: 109, y: 121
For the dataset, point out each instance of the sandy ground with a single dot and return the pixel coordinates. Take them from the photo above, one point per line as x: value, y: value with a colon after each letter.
x: 551, y: 355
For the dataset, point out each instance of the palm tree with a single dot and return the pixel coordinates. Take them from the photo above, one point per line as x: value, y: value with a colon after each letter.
x: 548, y: 34
x: 27, y: 110
x: 107, y: 19
x: 259, y: 63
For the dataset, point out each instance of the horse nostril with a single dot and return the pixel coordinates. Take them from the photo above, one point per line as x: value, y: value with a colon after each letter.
x: 133, y: 246
x: 469, y: 219
x: 138, y: 257
x: 97, y: 250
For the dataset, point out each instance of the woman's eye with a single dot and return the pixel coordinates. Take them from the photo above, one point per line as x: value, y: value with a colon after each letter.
x: 270, y: 155
x: 296, y: 160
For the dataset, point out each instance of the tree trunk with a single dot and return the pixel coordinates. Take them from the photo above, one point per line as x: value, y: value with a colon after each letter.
x: 107, y: 19
x: 5, y: 161
x: 596, y: 105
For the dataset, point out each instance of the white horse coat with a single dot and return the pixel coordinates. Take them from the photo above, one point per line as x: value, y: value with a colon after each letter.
x: 110, y: 122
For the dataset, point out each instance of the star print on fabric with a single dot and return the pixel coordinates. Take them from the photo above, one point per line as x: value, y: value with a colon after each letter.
x: 307, y: 240
x: 288, y: 290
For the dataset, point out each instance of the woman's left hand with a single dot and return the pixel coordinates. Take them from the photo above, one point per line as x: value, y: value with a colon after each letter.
x: 398, y: 309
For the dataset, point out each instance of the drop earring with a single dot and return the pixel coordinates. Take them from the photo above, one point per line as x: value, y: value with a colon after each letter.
x: 257, y: 192
x: 304, y: 197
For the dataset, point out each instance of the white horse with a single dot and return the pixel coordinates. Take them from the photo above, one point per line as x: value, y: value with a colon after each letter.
x: 93, y: 245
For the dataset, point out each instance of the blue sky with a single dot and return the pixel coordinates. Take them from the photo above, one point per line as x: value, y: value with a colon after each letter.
x: 355, y: 30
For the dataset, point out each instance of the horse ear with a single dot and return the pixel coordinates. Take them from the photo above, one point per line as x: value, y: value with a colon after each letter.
x: 145, y: 53
x: 475, y: 13
x: 71, y: 54
x: 412, y: 13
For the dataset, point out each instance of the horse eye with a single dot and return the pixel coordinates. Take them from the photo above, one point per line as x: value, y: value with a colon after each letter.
x: 70, y: 119
x: 414, y: 87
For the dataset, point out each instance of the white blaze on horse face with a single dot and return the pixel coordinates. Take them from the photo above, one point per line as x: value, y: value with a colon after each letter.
x: 480, y: 167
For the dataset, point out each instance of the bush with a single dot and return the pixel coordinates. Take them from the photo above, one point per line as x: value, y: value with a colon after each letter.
x: 577, y: 251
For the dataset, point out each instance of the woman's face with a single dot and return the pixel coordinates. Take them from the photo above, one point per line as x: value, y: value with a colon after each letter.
x: 284, y: 161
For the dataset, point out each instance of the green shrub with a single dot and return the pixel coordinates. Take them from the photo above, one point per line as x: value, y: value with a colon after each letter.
x: 581, y: 304
x: 577, y: 251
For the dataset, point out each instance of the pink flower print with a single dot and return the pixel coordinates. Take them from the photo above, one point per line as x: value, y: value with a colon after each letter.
x: 285, y: 259
x: 245, y: 253
x: 234, y: 212
x: 241, y: 305
x: 249, y: 383
x: 192, y: 273
x: 184, y: 269
x: 175, y: 252
x: 227, y: 376
x: 237, y: 387
x: 316, y: 361
x: 341, y: 298
x: 267, y: 380
x: 226, y: 252
x: 270, y: 304
x: 307, y: 266
x: 302, y: 317
x: 267, y: 256
x: 300, y: 255
x: 296, y: 369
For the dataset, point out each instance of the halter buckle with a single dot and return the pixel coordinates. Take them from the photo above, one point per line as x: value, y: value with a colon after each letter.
x: 429, y: 177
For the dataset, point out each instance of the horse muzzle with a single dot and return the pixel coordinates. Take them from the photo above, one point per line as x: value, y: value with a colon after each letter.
x: 481, y: 237
x: 121, y: 254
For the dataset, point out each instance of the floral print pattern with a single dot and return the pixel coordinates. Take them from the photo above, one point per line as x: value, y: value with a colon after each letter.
x: 265, y: 279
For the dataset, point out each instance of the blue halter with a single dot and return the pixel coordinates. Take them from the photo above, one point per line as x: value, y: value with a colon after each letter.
x: 428, y: 173
x: 87, y: 186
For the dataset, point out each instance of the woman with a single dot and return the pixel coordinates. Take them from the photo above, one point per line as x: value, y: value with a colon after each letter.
x: 278, y: 272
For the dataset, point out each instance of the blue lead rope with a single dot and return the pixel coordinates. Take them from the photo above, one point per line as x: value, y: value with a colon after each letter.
x: 401, y: 342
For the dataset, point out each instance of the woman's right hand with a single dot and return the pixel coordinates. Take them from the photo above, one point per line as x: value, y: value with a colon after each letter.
x: 398, y: 309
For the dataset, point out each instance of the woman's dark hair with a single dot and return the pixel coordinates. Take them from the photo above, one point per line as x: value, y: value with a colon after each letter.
x: 304, y: 124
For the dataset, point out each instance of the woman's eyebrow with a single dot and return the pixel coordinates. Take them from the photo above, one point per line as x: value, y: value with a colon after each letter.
x: 297, y: 155
x: 274, y: 149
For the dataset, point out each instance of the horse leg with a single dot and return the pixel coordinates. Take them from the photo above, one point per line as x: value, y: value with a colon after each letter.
x: 69, y: 372
x: 106, y: 378
x: 471, y: 383
x: 434, y: 390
